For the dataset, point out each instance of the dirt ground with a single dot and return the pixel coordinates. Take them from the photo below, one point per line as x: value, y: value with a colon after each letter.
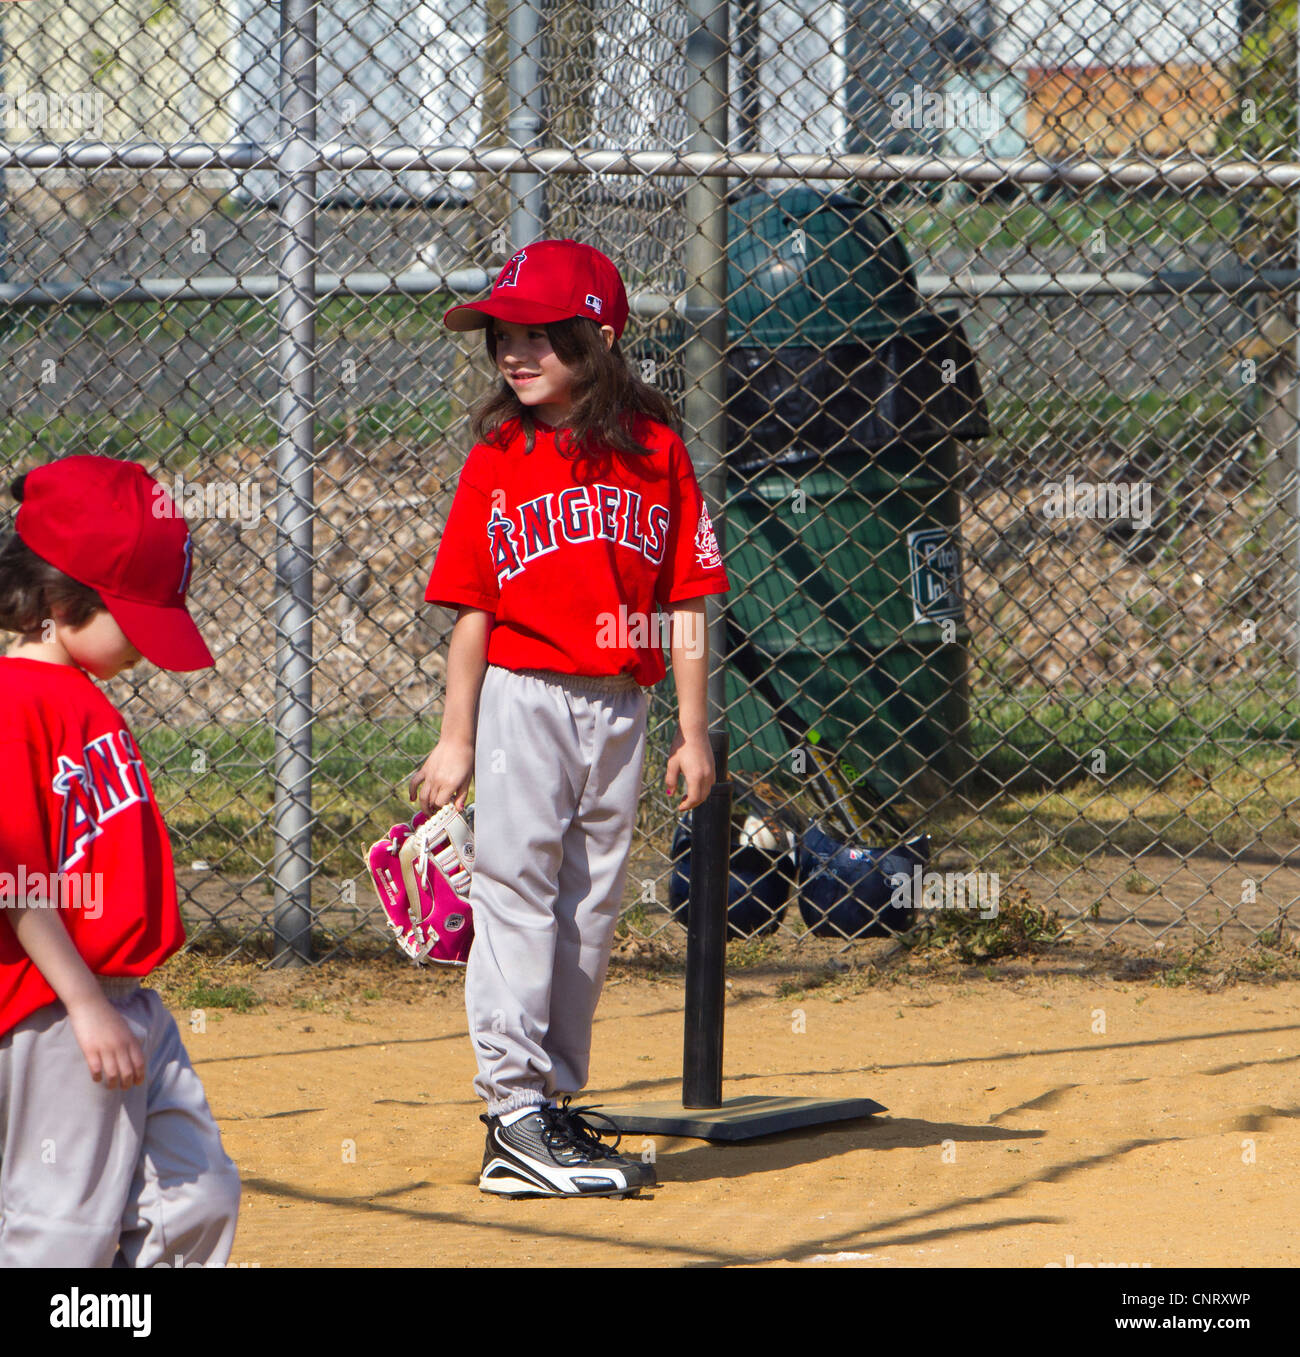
x: 1036, y: 1118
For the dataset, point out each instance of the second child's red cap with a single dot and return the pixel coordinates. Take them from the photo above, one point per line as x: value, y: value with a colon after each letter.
x: 109, y: 525
x: 547, y: 281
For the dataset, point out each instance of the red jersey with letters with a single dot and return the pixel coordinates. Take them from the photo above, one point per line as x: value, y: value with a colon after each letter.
x: 573, y: 556
x: 80, y: 827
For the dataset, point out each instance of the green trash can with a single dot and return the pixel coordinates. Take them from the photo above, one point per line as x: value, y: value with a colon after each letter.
x: 846, y: 402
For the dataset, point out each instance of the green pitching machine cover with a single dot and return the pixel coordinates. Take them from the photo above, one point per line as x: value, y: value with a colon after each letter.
x: 846, y: 400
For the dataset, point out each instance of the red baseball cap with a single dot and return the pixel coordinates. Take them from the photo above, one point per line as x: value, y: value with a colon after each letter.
x: 110, y: 526
x: 549, y: 280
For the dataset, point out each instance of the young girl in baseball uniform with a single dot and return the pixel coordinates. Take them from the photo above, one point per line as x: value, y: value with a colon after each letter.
x: 576, y: 516
x: 109, y: 1155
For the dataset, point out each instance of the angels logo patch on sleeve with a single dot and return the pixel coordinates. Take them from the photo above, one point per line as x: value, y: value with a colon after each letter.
x: 707, y: 554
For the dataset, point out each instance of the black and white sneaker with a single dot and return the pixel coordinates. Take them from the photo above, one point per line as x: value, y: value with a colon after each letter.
x: 590, y: 1136
x: 547, y: 1151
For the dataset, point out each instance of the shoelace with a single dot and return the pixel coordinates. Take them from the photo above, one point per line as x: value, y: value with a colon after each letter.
x: 566, y: 1126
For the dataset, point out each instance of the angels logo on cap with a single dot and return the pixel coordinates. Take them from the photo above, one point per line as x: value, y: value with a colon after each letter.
x: 189, y: 564
x: 509, y: 276
x: 563, y: 279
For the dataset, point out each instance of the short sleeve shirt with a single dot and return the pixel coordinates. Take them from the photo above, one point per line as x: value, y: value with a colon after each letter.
x: 578, y: 559
x: 80, y: 832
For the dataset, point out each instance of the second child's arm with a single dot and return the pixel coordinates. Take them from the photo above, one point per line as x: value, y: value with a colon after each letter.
x: 112, y: 1052
x: 445, y: 774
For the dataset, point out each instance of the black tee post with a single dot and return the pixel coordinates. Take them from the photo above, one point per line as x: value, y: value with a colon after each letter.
x: 706, y: 946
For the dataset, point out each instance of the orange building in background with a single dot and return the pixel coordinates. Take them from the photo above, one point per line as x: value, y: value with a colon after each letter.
x: 1106, y: 112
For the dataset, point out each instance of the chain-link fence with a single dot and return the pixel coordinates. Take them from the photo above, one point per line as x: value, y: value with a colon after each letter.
x: 980, y: 317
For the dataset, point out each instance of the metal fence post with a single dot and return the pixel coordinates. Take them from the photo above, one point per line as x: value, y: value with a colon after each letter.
x: 706, y: 284
x: 524, y: 122
x: 4, y: 179
x: 706, y: 289
x: 294, y: 461
x: 1290, y: 409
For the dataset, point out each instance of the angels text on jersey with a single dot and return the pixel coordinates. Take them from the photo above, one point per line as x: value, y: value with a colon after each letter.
x: 109, y: 779
x: 586, y: 513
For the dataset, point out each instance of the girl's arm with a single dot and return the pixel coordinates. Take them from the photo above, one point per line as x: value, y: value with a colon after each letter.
x: 445, y: 774
x: 110, y: 1047
x: 691, y: 755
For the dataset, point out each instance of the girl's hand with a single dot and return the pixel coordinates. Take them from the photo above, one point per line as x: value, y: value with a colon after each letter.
x: 444, y: 776
x: 692, y: 758
x: 112, y: 1052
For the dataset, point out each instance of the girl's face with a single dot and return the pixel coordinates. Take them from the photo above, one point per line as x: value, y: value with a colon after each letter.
x: 98, y: 646
x: 535, y: 374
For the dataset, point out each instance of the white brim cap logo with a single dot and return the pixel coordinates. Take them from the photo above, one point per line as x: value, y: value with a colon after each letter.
x: 594, y: 304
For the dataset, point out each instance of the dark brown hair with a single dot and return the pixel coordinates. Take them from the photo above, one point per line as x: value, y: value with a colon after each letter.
x: 607, y: 396
x: 32, y: 591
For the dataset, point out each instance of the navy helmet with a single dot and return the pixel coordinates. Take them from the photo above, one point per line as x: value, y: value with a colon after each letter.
x: 758, y: 885
x: 848, y: 891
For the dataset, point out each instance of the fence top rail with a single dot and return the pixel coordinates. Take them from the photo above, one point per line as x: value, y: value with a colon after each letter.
x: 1181, y: 172
x: 646, y: 305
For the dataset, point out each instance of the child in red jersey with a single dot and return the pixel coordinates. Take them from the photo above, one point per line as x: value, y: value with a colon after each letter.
x: 109, y: 1155
x: 577, y: 518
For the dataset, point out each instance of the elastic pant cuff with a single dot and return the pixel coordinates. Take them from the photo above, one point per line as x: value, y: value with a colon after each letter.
x: 527, y: 1097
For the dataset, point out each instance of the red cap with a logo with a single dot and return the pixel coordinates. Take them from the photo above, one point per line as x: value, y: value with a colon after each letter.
x: 110, y: 526
x: 547, y: 281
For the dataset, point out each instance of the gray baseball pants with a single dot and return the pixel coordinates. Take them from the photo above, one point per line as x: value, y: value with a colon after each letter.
x: 97, y: 1177
x: 557, y: 778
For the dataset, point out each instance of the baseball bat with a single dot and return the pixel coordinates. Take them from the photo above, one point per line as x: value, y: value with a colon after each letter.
x: 834, y: 795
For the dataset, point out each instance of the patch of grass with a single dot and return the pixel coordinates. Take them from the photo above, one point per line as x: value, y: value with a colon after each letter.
x: 1245, y: 800
x: 180, y: 438
x: 203, y: 994
x: 1037, y: 739
x: 175, y: 438
x: 1263, y: 961
x: 1275, y: 955
x: 194, y: 979
x: 633, y: 920
x: 311, y: 1003
x: 798, y: 986
x: 743, y: 953
x: 1139, y: 885
x: 215, y: 788
x: 1187, y: 967
x: 1074, y: 215
x: 1020, y: 928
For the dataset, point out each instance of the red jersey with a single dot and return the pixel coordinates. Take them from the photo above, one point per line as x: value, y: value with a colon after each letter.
x: 80, y: 827
x: 572, y: 557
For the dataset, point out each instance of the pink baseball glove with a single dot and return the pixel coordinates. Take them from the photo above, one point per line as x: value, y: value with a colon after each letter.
x: 422, y: 875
